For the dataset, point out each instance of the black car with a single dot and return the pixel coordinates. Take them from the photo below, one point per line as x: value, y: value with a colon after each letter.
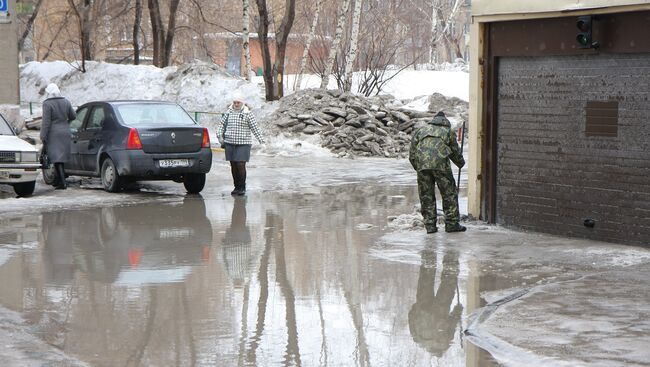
x: 126, y: 141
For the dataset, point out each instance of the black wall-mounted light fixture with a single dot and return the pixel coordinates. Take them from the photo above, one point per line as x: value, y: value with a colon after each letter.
x: 585, y: 32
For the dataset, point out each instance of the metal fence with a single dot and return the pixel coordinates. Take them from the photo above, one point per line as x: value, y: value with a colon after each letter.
x: 211, y: 120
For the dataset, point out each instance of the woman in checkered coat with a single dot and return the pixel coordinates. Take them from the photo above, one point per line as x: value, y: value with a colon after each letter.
x: 234, y: 134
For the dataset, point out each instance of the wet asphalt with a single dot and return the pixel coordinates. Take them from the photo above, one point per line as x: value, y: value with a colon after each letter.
x: 305, y: 270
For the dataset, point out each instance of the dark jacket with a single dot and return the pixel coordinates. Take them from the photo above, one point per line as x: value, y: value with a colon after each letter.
x: 433, y: 145
x: 55, y: 129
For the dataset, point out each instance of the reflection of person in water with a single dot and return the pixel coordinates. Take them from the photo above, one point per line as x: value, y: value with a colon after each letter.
x: 57, y: 248
x: 431, y: 322
x: 236, y: 244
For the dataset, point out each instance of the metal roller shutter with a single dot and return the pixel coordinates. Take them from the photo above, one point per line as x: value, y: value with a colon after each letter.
x: 564, y: 157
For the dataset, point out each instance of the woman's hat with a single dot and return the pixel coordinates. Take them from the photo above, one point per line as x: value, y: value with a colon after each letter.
x: 52, y: 90
x: 238, y: 96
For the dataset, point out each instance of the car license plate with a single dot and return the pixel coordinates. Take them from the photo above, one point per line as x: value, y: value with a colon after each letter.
x: 172, y: 233
x: 4, y: 174
x: 172, y: 163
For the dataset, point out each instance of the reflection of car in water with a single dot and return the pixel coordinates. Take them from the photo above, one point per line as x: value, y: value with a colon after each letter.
x: 150, y: 243
x: 432, y: 321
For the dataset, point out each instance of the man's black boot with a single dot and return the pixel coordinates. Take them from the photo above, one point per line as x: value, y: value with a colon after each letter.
x: 455, y: 228
x: 431, y: 228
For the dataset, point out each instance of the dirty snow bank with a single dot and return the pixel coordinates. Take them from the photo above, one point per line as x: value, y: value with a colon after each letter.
x: 197, y: 86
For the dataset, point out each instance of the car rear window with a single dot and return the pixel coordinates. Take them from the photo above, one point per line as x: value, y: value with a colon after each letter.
x: 4, y: 127
x: 153, y: 114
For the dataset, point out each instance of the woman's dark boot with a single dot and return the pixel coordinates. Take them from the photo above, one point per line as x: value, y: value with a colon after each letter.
x: 235, y: 178
x: 242, y: 179
x: 60, y: 173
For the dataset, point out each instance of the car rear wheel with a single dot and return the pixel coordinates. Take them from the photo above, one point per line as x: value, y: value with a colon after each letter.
x: 24, y: 189
x: 194, y: 182
x: 49, y: 175
x: 111, y: 180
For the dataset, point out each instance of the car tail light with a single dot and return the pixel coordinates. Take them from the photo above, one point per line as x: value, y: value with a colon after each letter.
x: 133, y: 142
x: 206, y: 139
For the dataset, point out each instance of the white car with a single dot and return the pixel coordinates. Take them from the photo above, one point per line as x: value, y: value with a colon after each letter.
x: 19, y: 161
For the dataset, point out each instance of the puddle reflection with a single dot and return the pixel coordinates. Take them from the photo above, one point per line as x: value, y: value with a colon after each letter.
x: 279, y: 280
x: 433, y: 321
x: 130, y: 245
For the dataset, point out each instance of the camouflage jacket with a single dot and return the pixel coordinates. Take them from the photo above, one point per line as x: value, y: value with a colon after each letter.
x: 433, y: 145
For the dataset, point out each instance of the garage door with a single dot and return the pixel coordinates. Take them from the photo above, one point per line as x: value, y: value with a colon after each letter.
x: 573, y: 146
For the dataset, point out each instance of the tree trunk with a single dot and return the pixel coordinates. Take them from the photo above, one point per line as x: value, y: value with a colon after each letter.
x: 157, y: 31
x: 281, y: 38
x: 274, y: 72
x: 84, y: 22
x: 310, y: 38
x: 136, y: 32
x: 88, y: 45
x: 335, y: 44
x: 435, y: 21
x: 28, y: 27
x: 163, y: 40
x: 354, y: 42
x: 246, y: 40
x: 171, y: 32
x: 263, y: 32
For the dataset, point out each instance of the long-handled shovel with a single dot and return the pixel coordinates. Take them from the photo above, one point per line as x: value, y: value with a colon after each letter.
x: 462, y: 145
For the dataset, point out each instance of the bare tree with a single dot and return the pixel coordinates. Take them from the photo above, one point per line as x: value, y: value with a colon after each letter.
x: 29, y: 25
x: 310, y: 38
x: 335, y: 43
x: 274, y: 73
x: 442, y: 19
x: 83, y: 13
x: 380, y: 47
x: 163, y: 39
x: 246, y: 40
x: 136, y: 32
x: 354, y: 42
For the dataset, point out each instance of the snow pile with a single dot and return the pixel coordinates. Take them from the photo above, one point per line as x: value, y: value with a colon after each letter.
x: 197, y: 86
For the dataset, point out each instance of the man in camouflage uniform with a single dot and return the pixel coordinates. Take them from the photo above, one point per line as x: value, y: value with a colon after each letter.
x: 432, y: 146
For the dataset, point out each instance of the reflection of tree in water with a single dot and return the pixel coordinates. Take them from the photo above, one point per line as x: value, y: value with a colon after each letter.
x: 274, y: 241
x: 432, y: 322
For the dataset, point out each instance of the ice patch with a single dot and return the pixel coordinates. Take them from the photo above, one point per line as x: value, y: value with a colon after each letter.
x: 406, y: 222
x: 364, y: 226
x: 5, y: 255
x: 282, y: 146
x: 613, y: 257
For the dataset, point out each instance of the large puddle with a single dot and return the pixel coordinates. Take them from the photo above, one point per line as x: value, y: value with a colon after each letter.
x: 300, y: 272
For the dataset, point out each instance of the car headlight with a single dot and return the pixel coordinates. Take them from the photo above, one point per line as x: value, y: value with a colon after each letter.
x: 30, y: 157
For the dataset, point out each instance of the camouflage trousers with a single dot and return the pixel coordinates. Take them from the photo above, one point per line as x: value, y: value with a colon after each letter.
x: 427, y: 180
